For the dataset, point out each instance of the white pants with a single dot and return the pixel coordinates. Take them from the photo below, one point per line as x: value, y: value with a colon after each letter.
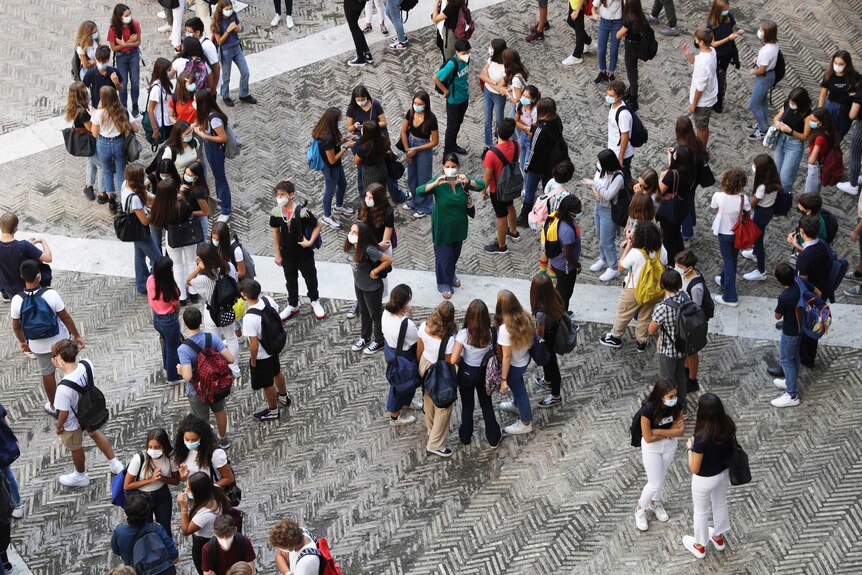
x: 227, y: 335
x: 179, y: 24
x: 204, y: 12
x: 184, y: 263
x: 657, y: 457
x: 369, y: 10
x: 706, y: 491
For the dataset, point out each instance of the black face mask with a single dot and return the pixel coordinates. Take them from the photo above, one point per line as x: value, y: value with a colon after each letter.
x: 696, y: 47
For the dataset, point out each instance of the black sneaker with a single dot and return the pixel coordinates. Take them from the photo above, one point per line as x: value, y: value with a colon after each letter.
x: 691, y: 385
x: 266, y: 414
x: 224, y: 442
x: 550, y: 401
x: 248, y: 99
x: 135, y: 113
x: 857, y: 274
x: 542, y: 384
x: 228, y: 102
x: 460, y: 150
x: 88, y: 192
x: 369, y: 56
x: 611, y: 341
x: 641, y: 347
x: 102, y: 199
x: 756, y: 135
x: 285, y: 399
x: 601, y: 78
x: 357, y: 62
x: 112, y: 204
x: 516, y: 237
x: 494, y: 248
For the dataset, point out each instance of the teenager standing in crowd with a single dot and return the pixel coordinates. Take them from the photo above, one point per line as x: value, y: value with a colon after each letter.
x: 124, y: 36
x: 765, y: 189
x: 398, y: 314
x: 195, y: 28
x: 724, y: 34
x: 609, y: 15
x: 703, y: 93
x: 670, y: 12
x: 525, y: 119
x: 693, y: 284
x: 445, y: 16
x: 504, y: 152
x: 332, y: 148
x: 493, y: 75
x: 548, y: 149
x: 110, y: 125
x: 567, y: 264
x: 547, y: 308
x: 674, y: 189
x: 352, y: 12
x: 515, y: 334
x: 139, y: 520
x: 438, y: 330
x: 606, y: 186
x: 419, y: 136
x: 86, y: 42
x: 687, y: 139
x: 821, y: 138
x: 200, y: 504
x: 150, y: 472
x: 634, y: 25
x: 451, y: 80
x: 839, y: 82
x: 729, y: 203
x: 791, y: 122
x: 764, y: 76
x: 225, y: 29
x: 620, y: 127
x: 368, y: 261
x: 575, y: 20
x: 210, y: 127
x: 163, y: 297
x: 852, y: 185
x: 78, y: 112
x: 134, y: 199
x: 671, y: 361
x: 196, y: 449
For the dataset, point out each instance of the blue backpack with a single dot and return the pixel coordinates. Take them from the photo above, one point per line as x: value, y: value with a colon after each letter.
x: 812, y: 312
x: 9, y: 450
x: 38, y: 319
x: 402, y: 371
x: 150, y: 555
x: 836, y: 272
x: 313, y: 157
x: 118, y: 493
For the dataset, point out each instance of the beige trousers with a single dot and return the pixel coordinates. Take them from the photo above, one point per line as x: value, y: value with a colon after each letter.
x: 436, y: 419
x: 626, y: 309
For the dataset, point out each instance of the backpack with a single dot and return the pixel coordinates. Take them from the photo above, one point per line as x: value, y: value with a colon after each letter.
x: 465, y: 27
x: 9, y: 450
x: 406, y: 7
x: 38, y: 319
x: 649, y: 289
x: 92, y: 410
x: 780, y: 69
x: 831, y: 224
x: 313, y: 157
x: 567, y: 335
x: 118, y: 490
x: 328, y: 566
x: 440, y: 384
x: 647, y: 48
x: 708, y: 304
x: 198, y: 70
x: 542, y: 206
x: 149, y: 555
x: 76, y: 66
x: 148, y: 126
x: 510, y: 182
x: 238, y: 540
x: 836, y: 272
x: 783, y: 202
x: 246, y: 259
x: 450, y: 83
x: 832, y: 167
x: 551, y: 236
x: 224, y: 296
x: 491, y: 367
x: 402, y: 372
x: 211, y: 375
x: 638, y: 136
x: 272, y: 335
x: 812, y: 313
x: 620, y: 205
x: 233, y: 145
x: 636, y: 430
x: 691, y: 326
x: 6, y: 506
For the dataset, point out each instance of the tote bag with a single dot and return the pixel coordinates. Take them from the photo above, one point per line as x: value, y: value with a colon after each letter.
x: 745, y: 230
x: 79, y: 142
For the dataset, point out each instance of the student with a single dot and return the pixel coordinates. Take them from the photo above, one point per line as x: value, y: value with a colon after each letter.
x: 728, y: 205
x: 440, y: 325
x: 493, y: 74
x: 15, y: 252
x: 181, y: 148
x: 150, y: 472
x: 110, y: 125
x: 195, y: 29
x: 724, y: 34
x: 379, y: 216
x: 620, y: 127
x: 549, y: 201
x: 767, y: 184
x: 294, y: 231
x: 64, y: 356
x: 575, y: 20
x: 86, y: 43
x: 670, y: 12
x: 538, y: 33
x: 641, y: 209
x: 609, y: 15
x: 370, y: 154
x: 821, y: 138
x: 227, y: 548
x: 516, y: 76
x: 265, y: 367
x: 703, y: 93
x: 101, y: 75
x: 708, y: 451
x: 674, y: 181
x: 567, y: 264
x: 661, y: 423
x: 135, y: 199
x: 548, y: 149
x: 196, y: 449
x: 332, y: 148
x: 289, y: 540
x: 369, y: 12
x: 367, y: 260
x: 515, y: 334
x: 14, y: 493
x: 393, y: 12
x: 163, y: 297
x: 697, y: 158
x: 671, y: 361
x: 124, y: 37
x: 791, y: 122
x: 525, y: 119
x: 395, y: 313
x: 546, y: 306
x: 210, y: 127
x: 363, y: 108
x: 200, y: 505
x: 451, y: 79
x: 225, y: 29
x: 851, y: 186
x: 836, y: 90
x: 41, y: 347
x: 503, y: 210
x: 188, y: 362
x: 139, y: 522
x: 763, y: 71
x: 692, y: 284
x: 159, y: 93
x: 633, y: 27
x: 606, y: 186
x: 420, y: 135
x: 445, y: 16
x: 78, y: 112
x: 352, y: 12
x: 181, y: 107
x: 196, y: 191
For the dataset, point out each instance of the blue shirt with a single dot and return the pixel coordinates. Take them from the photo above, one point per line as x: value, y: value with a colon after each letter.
x: 233, y: 37
x: 568, y: 236
x: 188, y: 356
x: 125, y: 536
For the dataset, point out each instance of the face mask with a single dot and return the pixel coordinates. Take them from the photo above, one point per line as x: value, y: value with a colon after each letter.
x: 361, y: 103
x: 101, y: 66
x: 369, y: 203
x: 189, y: 34
x: 190, y: 495
x: 838, y: 69
x: 680, y: 271
x: 227, y: 13
x: 490, y: 51
x: 696, y: 46
x: 155, y: 453
x: 609, y: 99
x: 215, y: 242
x: 95, y: 36
x: 760, y: 34
x: 282, y: 202
x: 725, y: 12
x: 450, y: 171
x: 670, y: 402
x: 224, y: 543
x: 188, y: 139
x: 753, y: 169
x: 525, y: 101
x: 352, y: 238
x: 598, y: 167
x: 578, y: 216
x: 814, y: 125
x: 192, y: 445
x: 188, y: 179
x: 464, y: 57
x: 417, y: 108
x: 791, y: 105
x: 127, y: 19
x: 164, y: 176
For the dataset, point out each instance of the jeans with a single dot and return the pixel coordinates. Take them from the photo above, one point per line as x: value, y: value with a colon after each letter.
x: 721, y: 73
x: 470, y: 386
x: 856, y: 154
x: 370, y: 312
x: 335, y: 184
x: 669, y: 10
x: 515, y: 381
x: 840, y: 118
x: 657, y: 459
x: 581, y: 37
x: 418, y: 173
x: 759, y: 103
x: 292, y: 267
x: 168, y: 326
x: 608, y: 32
x: 229, y: 56
x: 812, y: 179
x: 95, y: 173
x: 454, y: 118
x: 531, y: 182
x: 790, y: 361
x: 129, y: 65
x: 525, y: 142
x: 393, y: 12
x: 145, y: 249
x: 215, y: 157
x: 762, y: 217
x: 709, y: 492
x: 687, y: 228
x: 496, y: 104
x: 565, y: 285
x: 788, y: 155
x: 445, y: 259
x: 729, y: 255
x: 606, y: 230
x: 631, y: 60
x: 352, y: 12
x: 15, y: 495
x: 112, y: 154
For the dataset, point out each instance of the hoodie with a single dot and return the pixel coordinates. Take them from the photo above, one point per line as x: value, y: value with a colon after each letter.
x: 549, y: 147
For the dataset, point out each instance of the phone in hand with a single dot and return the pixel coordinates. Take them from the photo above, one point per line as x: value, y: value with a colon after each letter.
x: 450, y: 178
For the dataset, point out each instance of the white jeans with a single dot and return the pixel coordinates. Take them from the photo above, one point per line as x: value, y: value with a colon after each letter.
x: 179, y: 24
x: 380, y: 11
x: 657, y: 457
x: 706, y: 491
x: 184, y: 263
x: 227, y: 335
x: 204, y: 12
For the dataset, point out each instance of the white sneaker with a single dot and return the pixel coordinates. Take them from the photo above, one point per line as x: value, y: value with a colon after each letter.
x: 749, y: 255
x: 718, y: 546
x: 509, y: 406
x: 161, y: 14
x: 785, y: 401
x: 331, y: 222
x: 688, y: 542
x: 598, y: 265
x: 74, y: 479
x: 318, y: 310
x: 848, y: 188
x: 718, y: 281
x: 165, y: 28
x: 416, y: 405
x: 780, y: 383
x: 572, y: 60
x: 49, y: 409
x: 223, y: 218
x: 288, y: 312
x: 756, y: 276
x: 589, y: 48
x: 116, y: 466
x: 18, y: 512
x: 518, y: 428
x: 402, y: 420
x: 641, y: 519
x: 289, y: 21
x: 346, y: 210
x: 719, y: 299
x: 658, y: 510
x: 275, y: 20
x: 859, y: 181
x: 609, y: 275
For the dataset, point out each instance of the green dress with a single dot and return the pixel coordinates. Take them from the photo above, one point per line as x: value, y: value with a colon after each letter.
x: 449, y: 216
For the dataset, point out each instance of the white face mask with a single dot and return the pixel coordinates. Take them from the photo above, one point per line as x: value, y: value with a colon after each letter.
x: 224, y: 543
x: 680, y: 270
x: 227, y: 13
x: 598, y: 167
x: 450, y: 172
x: 760, y: 34
x: 282, y: 202
x: 490, y: 51
x: 369, y: 203
x: 838, y: 68
x: 155, y: 453
x: 352, y: 238
x: 127, y: 19
x: 464, y: 57
x: 753, y: 169
x: 791, y: 105
x: 361, y: 103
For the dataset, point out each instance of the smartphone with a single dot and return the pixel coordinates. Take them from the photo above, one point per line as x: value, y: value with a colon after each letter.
x: 451, y: 178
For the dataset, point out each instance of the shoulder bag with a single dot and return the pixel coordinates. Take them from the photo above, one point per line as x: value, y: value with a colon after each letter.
x: 79, y: 142
x: 671, y: 209
x: 737, y: 464
x: 128, y: 227
x: 745, y: 231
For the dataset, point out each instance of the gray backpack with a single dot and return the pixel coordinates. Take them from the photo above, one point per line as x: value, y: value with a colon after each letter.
x: 510, y: 182
x: 246, y: 259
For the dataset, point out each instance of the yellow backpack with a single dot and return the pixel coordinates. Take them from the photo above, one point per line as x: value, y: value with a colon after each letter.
x: 649, y: 289
x: 551, y: 237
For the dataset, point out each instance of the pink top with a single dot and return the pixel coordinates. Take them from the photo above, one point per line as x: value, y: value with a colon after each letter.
x: 157, y: 305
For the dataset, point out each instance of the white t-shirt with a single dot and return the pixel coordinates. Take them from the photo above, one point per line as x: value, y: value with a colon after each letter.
x: 634, y: 261
x: 764, y: 200
x: 520, y: 357
x: 728, y: 211
x: 310, y: 565
x: 90, y: 52
x: 219, y: 460
x: 156, y: 93
x: 704, y: 78
x: 204, y: 286
x: 432, y: 344
x: 186, y: 157
x: 252, y: 323
x: 135, y: 203
x: 768, y: 56
x: 66, y: 398
x: 496, y: 72
x: 53, y: 299
x: 166, y: 464
x: 391, y: 326
x: 615, y: 130
x: 210, y: 51
x: 612, y: 11
x: 179, y: 65
x: 107, y: 127
x: 472, y: 355
x: 696, y: 291
x: 204, y: 518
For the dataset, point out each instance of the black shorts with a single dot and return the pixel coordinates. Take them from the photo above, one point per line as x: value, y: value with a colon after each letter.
x: 264, y: 372
x: 501, y: 209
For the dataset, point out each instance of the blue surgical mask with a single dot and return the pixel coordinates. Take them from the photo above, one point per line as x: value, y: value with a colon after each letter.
x: 669, y: 402
x: 227, y: 13
x: 192, y: 445
x: 525, y: 101
x: 188, y: 139
x: 95, y: 36
x: 101, y: 66
x: 215, y: 243
x: 191, y: 87
x: 814, y: 125
x: 578, y: 216
x: 609, y: 99
x: 188, y: 179
x: 417, y: 108
x: 725, y: 12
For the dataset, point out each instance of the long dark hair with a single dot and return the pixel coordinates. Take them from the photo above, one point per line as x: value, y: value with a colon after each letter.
x: 766, y: 174
x: 175, y: 140
x: 609, y: 162
x: 426, y: 100
x: 647, y: 236
x: 715, y: 18
x: 656, y: 398
x: 633, y: 13
x: 399, y: 298
x: 213, y: 262
x: 545, y: 298
x: 117, y: 20
x: 204, y: 490
x: 160, y: 74
x: 849, y: 71
x: 134, y: 176
x: 685, y: 136
x: 207, y: 106
x: 802, y: 99
x: 381, y: 205
x: 191, y: 49
x: 360, y: 91
x: 200, y: 182
x: 477, y: 322
x: 366, y: 238
x: 327, y: 126
x: 498, y: 45
x: 372, y: 143
x: 826, y: 128
x: 157, y: 434
x: 222, y: 232
x: 166, y: 286
x: 712, y: 423
x: 165, y: 210
x: 203, y: 430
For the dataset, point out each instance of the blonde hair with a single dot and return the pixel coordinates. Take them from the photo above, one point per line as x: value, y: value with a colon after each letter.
x: 518, y: 322
x: 78, y: 100
x: 241, y: 568
x: 110, y: 102
x: 84, y: 38
x: 442, y: 322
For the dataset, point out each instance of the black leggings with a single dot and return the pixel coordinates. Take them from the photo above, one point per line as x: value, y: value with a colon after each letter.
x: 721, y: 72
x: 352, y: 11
x: 552, y: 368
x: 288, y: 6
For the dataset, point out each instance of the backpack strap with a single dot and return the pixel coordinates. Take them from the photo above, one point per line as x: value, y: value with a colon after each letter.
x: 211, y: 550
x: 617, y: 120
x: 441, y: 354
x: 402, y: 335
x: 695, y: 281
x: 315, y: 552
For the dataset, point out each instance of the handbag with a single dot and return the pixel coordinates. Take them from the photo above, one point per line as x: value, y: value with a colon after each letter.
x: 539, y: 351
x: 132, y: 147
x: 783, y: 202
x: 402, y: 372
x: 737, y: 465
x: 771, y: 138
x: 232, y: 491
x: 745, y: 230
x: 705, y: 178
x: 79, y: 142
x: 394, y: 167
x: 185, y: 234
x: 672, y: 210
x: 128, y: 227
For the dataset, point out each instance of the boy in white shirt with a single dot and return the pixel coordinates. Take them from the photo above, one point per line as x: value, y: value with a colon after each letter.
x: 703, y: 93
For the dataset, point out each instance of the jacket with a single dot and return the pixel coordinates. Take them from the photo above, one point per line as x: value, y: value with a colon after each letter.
x: 125, y: 536
x: 549, y: 146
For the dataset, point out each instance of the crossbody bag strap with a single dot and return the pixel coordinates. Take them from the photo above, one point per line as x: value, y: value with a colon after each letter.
x: 402, y: 335
x: 441, y: 354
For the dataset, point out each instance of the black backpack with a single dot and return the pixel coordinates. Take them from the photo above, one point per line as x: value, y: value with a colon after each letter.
x: 638, y: 135
x: 439, y: 381
x: 831, y: 225
x: 648, y: 45
x: 406, y: 7
x: 708, y: 305
x: 272, y: 334
x: 635, y: 429
x: 92, y: 412
x: 450, y: 83
x: 510, y: 182
x: 149, y: 554
x: 690, y: 335
x: 76, y: 66
x: 780, y: 69
x: 567, y: 335
x: 224, y: 296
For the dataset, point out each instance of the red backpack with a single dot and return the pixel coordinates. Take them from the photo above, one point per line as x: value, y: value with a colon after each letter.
x: 465, y: 27
x: 211, y: 378
x: 328, y: 566
x: 832, y: 168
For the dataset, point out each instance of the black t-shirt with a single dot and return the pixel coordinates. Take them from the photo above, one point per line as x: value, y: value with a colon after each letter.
x: 631, y: 35
x: 722, y: 31
x: 388, y: 222
x: 815, y: 263
x: 794, y: 118
x: 665, y: 421
x: 715, y: 455
x: 82, y: 118
x: 786, y: 306
x: 94, y: 81
x: 12, y: 254
x: 369, y: 154
x: 417, y: 132
x: 292, y: 231
x: 682, y: 186
x: 357, y: 114
x: 324, y: 144
x: 838, y: 88
x: 451, y: 11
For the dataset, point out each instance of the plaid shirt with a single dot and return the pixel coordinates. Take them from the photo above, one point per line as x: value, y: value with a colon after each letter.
x: 665, y: 316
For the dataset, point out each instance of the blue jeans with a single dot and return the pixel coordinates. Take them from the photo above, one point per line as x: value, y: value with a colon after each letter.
x: 445, y: 259
x: 336, y: 184
x: 515, y: 381
x: 492, y: 104
x: 418, y: 173
x: 471, y: 386
x: 168, y: 326
x: 729, y: 255
x: 95, y: 173
x: 15, y: 495
x: 145, y: 249
x: 788, y: 155
x: 228, y: 57
x: 690, y: 220
x: 215, y: 157
x: 531, y: 182
x: 112, y: 154
x: 762, y: 217
x: 129, y: 65
x: 789, y: 360
x: 840, y: 118
x: 393, y: 12
x: 608, y: 31
x: 526, y: 143
x: 606, y: 230
x: 205, y: 225
x: 759, y: 103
